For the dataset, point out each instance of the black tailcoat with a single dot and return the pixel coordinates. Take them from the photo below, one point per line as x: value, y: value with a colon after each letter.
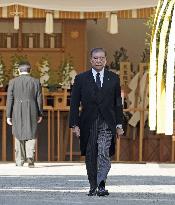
x: 107, y: 101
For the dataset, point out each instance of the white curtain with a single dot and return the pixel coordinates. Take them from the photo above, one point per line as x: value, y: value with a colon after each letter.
x: 83, y: 5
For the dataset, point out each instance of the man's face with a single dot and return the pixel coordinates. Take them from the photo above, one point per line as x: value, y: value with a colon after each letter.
x: 98, y: 60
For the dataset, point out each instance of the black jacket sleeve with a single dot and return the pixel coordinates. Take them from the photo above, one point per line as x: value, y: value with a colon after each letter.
x: 75, y: 103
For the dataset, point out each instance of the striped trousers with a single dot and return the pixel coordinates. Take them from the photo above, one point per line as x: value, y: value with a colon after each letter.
x: 97, y: 152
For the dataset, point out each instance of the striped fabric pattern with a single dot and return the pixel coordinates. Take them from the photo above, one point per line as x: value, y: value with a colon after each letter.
x: 27, y: 12
x: 97, y: 153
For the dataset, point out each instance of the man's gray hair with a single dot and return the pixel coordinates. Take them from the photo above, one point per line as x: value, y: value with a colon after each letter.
x: 24, y: 67
x: 95, y: 50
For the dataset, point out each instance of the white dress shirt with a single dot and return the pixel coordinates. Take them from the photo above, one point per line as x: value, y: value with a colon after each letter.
x: 94, y: 72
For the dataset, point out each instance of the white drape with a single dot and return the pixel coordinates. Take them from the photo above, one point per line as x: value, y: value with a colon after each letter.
x: 83, y: 5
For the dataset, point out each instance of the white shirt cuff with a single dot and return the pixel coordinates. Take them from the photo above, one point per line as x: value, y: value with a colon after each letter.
x: 119, y: 126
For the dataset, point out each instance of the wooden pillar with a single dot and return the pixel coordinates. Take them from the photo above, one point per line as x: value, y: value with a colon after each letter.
x: 58, y: 135
x: 48, y: 134
x: 52, y: 139
x: 13, y: 148
x: 20, y: 35
x: 4, y: 138
x: 118, y: 149
x: 172, y: 147
x: 141, y: 135
x: 71, y: 145
x: 36, y: 149
x: 66, y: 137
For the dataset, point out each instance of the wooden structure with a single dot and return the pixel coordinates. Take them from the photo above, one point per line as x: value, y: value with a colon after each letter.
x: 125, y: 73
x: 55, y: 139
x: 60, y: 144
x: 28, y: 12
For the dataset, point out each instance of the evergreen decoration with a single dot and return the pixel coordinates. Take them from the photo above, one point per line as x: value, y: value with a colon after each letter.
x: 16, y: 60
x: 145, y: 57
x: 149, y: 24
x: 35, y: 73
x: 54, y: 80
x: 119, y: 56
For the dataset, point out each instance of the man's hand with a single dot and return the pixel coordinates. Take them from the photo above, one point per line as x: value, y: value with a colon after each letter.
x: 9, y: 121
x: 76, y: 131
x: 119, y: 132
x: 39, y: 119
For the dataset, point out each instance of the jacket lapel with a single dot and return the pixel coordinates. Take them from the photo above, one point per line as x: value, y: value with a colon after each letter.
x: 104, y: 89
x: 91, y: 85
x: 95, y: 93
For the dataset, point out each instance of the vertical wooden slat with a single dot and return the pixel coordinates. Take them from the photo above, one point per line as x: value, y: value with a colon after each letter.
x: 138, y: 13
x: 141, y: 135
x: 130, y: 13
x: 20, y: 35
x: 53, y: 140
x: 13, y: 148
x: 23, y: 10
x: 48, y: 134
x: 36, y: 149
x: 58, y: 135
x: 9, y: 10
x: 0, y: 12
x: 172, y: 143
x: 172, y: 148
x: 118, y: 149
x: 4, y: 139
x: 71, y: 144
x: 39, y: 13
x: 66, y: 137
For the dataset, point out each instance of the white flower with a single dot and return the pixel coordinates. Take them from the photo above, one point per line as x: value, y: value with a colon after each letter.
x: 73, y: 73
x: 44, y: 72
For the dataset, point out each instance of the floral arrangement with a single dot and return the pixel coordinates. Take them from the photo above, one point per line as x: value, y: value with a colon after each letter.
x: 16, y: 60
x: 44, y: 69
x: 2, y: 72
x: 54, y: 81
x: 67, y: 73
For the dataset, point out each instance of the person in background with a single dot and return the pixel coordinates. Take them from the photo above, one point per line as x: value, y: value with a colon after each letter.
x: 24, y: 112
x: 99, y: 120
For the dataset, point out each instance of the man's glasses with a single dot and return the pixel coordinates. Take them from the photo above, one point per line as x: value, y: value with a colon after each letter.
x: 99, y: 58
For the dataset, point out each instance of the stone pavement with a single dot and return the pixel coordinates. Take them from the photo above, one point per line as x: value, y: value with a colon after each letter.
x: 66, y: 184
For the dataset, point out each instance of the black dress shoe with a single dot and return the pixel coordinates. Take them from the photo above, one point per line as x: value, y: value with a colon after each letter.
x: 102, y: 192
x: 101, y: 189
x: 92, y: 192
